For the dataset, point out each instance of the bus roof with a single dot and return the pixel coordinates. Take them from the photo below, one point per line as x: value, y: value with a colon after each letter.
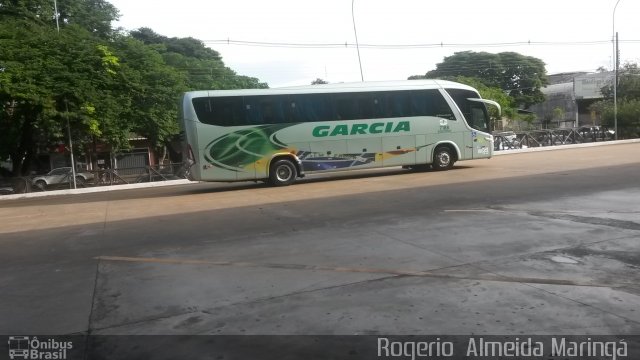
x: 336, y: 88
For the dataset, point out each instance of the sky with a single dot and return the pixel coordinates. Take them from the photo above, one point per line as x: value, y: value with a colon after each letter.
x: 283, y: 42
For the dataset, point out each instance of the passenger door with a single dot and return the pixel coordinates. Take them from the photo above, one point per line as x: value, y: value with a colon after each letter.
x: 480, y: 140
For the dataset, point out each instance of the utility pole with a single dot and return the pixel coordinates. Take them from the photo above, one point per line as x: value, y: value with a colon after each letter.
x: 616, y: 61
x: 353, y: 17
x: 615, y: 90
x: 66, y: 106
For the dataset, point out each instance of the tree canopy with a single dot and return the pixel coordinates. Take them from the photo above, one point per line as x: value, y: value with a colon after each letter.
x: 105, y: 84
x: 520, y: 76
x: 628, y: 98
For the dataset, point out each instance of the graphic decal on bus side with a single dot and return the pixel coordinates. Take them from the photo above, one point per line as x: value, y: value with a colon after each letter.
x: 239, y: 151
x: 318, y: 162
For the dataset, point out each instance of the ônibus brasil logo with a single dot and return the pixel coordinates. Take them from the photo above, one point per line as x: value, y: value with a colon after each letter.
x: 32, y: 348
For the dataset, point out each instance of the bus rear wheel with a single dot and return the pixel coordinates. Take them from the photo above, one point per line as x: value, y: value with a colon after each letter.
x: 443, y: 158
x: 282, y: 173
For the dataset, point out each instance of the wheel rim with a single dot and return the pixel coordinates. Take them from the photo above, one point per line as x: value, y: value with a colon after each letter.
x: 444, y: 159
x: 283, y: 173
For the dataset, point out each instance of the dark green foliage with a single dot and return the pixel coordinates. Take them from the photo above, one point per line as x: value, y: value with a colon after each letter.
x: 628, y: 96
x: 105, y: 85
x: 520, y: 76
x: 202, y: 66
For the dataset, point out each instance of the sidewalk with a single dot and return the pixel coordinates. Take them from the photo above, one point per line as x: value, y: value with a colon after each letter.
x: 96, y: 189
x: 565, y: 147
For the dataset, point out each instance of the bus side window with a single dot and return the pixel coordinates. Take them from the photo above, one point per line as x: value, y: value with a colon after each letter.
x: 252, y: 113
x: 346, y: 107
x: 399, y: 104
x: 204, y: 110
x: 365, y: 105
x: 267, y: 113
x: 263, y: 110
x: 227, y: 111
x: 291, y: 109
x: 437, y: 106
x: 418, y: 101
x: 379, y: 100
x: 318, y: 107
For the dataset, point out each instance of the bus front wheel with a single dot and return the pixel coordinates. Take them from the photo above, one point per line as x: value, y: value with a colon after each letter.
x: 443, y: 158
x: 282, y: 173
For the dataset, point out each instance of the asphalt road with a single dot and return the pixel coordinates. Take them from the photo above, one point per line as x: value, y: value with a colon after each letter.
x: 533, y: 243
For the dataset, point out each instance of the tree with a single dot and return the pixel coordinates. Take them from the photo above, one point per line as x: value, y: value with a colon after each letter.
x: 520, y: 76
x: 52, y: 79
x: 628, y: 116
x: 628, y: 83
x: 48, y: 79
x: 93, y: 15
x: 105, y: 85
x: 628, y: 97
x: 203, y: 66
x: 149, y: 91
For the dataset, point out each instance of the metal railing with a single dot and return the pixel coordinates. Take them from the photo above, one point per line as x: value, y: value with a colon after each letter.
x: 508, y: 140
x: 92, y: 178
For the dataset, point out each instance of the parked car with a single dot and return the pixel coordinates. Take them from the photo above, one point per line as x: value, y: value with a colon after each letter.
x: 506, y: 140
x: 60, y: 176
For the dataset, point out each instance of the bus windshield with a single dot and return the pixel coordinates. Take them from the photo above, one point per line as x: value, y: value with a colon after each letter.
x: 475, y: 113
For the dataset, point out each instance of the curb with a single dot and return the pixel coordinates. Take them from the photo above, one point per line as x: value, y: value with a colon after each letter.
x: 96, y: 189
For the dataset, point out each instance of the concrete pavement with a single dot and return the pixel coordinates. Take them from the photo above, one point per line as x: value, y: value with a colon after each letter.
x: 535, y: 243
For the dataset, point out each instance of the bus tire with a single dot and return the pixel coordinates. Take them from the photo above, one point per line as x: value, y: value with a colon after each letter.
x: 282, y: 172
x: 443, y: 158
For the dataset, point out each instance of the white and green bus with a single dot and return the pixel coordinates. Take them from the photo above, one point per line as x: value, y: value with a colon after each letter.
x: 278, y: 135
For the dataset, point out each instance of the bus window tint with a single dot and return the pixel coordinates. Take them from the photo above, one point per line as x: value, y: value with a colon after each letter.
x: 399, y: 104
x: 313, y: 107
x: 365, y: 105
x: 278, y: 109
x: 410, y: 103
x: 437, y: 106
x: 204, y: 110
x: 271, y: 110
x: 379, y: 104
x: 262, y: 110
x: 346, y: 107
x: 223, y: 111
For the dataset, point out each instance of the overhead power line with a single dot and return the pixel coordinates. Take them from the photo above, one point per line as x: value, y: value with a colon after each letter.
x: 408, y: 46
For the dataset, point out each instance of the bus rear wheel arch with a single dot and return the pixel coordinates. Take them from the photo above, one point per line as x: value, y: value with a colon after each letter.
x: 443, y: 157
x: 282, y: 172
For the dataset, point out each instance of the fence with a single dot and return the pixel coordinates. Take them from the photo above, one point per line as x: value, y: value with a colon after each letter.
x: 562, y: 136
x: 102, y: 177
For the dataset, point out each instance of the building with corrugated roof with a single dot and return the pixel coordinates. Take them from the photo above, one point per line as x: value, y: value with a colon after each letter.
x: 573, y: 94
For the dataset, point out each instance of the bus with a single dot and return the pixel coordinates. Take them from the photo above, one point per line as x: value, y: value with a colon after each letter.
x: 279, y: 135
